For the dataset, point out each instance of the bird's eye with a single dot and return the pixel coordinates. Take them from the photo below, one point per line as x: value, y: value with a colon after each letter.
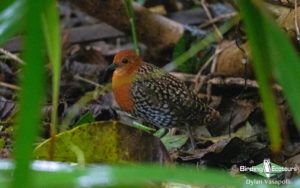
x: 124, y: 60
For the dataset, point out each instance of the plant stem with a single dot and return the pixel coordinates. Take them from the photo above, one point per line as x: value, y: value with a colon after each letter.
x: 129, y: 8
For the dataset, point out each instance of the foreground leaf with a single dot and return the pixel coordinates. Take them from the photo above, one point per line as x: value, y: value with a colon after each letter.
x: 50, y: 174
x: 256, y: 24
x: 31, y: 97
x: 104, y: 142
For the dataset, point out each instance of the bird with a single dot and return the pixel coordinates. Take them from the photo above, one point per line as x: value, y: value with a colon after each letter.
x: 155, y: 96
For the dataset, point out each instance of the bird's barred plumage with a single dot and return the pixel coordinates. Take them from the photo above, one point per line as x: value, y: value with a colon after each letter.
x: 155, y: 96
x: 163, y: 100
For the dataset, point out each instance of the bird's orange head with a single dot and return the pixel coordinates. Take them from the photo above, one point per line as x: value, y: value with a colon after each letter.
x: 127, y: 61
x: 126, y: 64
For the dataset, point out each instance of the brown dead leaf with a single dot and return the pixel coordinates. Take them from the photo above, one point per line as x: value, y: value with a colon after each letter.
x: 230, y: 61
x: 234, y: 113
x: 228, y: 152
x: 7, y: 108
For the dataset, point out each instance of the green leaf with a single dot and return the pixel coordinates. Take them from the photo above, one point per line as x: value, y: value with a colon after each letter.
x: 102, y: 142
x: 86, y: 118
x: 174, y: 141
x: 160, y: 132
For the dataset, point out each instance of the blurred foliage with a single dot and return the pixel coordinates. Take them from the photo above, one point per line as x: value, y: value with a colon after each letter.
x: 32, y: 94
x: 193, y: 64
x: 274, y: 57
x: 198, y: 45
x: 11, y: 12
x: 26, y: 16
x: 190, y: 66
x: 123, y: 176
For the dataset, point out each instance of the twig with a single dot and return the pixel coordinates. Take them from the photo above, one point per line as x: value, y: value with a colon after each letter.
x: 218, y: 81
x: 212, y: 70
x: 296, y: 19
x: 217, y: 19
x: 11, y: 56
x: 245, y: 59
x: 239, y: 82
x: 219, y: 34
x: 10, y: 86
x: 198, y: 81
x: 77, y: 77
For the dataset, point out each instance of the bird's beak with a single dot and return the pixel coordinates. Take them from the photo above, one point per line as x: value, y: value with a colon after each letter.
x: 112, y: 67
x: 104, y: 77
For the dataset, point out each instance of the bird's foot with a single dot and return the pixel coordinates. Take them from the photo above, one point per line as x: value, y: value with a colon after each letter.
x: 193, y: 143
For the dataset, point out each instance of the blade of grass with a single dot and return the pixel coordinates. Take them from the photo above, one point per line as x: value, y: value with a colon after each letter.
x: 31, y: 95
x: 128, y: 175
x: 258, y: 39
x: 130, y: 12
x: 52, y: 35
x: 11, y: 13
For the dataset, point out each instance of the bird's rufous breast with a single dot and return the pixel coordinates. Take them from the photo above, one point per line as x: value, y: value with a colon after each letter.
x: 121, y: 86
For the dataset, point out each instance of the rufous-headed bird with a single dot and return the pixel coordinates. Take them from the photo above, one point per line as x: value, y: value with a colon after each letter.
x: 155, y: 96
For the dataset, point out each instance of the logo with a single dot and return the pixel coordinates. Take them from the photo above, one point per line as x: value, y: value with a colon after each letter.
x: 268, y: 169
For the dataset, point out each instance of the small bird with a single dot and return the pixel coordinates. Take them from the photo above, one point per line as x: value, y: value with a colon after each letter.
x: 155, y: 96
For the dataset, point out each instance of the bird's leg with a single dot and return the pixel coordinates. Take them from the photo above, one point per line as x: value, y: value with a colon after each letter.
x: 173, y: 131
x: 191, y: 137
